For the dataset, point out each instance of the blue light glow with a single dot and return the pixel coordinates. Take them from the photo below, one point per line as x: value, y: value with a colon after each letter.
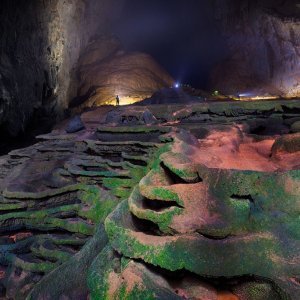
x: 246, y: 95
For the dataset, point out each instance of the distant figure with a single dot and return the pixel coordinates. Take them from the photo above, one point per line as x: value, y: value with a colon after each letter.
x: 118, y: 100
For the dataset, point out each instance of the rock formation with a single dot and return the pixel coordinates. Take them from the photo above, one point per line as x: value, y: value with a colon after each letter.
x: 211, y: 216
x: 171, y: 95
x: 51, y: 208
x: 202, y: 203
x: 105, y: 71
x: 188, y: 200
x: 263, y: 39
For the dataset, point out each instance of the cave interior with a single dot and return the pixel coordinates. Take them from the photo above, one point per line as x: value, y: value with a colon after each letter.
x: 150, y: 149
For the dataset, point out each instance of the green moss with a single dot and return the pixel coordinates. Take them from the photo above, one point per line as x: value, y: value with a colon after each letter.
x: 45, y: 253
x: 39, y: 214
x: 162, y: 219
x: 199, y: 255
x: 162, y: 193
x: 178, y: 164
x: 13, y: 206
x: 44, y: 220
x: 43, y: 194
x: 40, y: 267
x: 292, y: 227
x: 154, y: 161
x: 69, y: 279
x: 100, y: 204
x: 106, y: 264
x: 97, y: 278
x: 68, y: 241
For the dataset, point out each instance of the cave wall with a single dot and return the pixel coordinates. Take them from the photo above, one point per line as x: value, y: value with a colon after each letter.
x: 40, y: 43
x: 263, y: 40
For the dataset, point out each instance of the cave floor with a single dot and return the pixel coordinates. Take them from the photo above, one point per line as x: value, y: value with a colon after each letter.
x: 174, y: 201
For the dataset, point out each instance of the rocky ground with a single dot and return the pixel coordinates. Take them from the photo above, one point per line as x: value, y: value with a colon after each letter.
x: 187, y: 201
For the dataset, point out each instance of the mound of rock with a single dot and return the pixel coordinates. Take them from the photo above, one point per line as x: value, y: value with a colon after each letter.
x: 171, y: 95
x: 131, y: 116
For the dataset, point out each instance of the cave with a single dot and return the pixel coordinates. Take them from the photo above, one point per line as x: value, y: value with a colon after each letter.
x: 150, y: 149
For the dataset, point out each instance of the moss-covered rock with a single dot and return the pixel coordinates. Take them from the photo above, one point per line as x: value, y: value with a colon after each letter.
x: 213, y: 222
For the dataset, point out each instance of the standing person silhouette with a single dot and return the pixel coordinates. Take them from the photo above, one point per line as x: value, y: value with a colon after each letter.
x: 117, y: 100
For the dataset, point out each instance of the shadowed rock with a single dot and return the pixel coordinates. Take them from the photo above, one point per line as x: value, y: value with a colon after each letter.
x: 74, y: 125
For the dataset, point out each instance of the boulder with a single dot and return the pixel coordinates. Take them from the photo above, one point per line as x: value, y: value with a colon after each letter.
x: 131, y: 116
x: 295, y: 127
x: 74, y: 125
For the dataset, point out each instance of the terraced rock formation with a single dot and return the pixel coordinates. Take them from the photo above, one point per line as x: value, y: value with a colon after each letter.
x: 54, y: 197
x: 206, y: 218
x: 157, y: 202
